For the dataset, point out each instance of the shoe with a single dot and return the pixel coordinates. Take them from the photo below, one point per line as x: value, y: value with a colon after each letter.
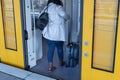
x: 62, y: 63
x: 52, y: 68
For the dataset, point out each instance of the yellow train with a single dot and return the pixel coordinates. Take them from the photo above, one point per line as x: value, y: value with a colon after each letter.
x: 94, y: 23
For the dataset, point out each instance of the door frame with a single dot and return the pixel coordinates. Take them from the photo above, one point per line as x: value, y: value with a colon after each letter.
x: 80, y: 36
x: 24, y: 34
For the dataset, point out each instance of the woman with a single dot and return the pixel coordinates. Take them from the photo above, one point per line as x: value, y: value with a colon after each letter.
x: 54, y: 32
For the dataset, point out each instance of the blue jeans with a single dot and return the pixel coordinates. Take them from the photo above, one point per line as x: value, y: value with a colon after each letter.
x: 51, y: 48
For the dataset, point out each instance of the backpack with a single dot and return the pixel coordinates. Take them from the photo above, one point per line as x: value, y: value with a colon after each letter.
x: 42, y: 21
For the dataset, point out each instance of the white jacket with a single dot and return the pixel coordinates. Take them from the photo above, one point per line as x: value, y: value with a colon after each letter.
x: 55, y: 30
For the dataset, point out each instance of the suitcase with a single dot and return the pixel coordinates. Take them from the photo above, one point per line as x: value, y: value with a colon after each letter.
x: 72, y: 55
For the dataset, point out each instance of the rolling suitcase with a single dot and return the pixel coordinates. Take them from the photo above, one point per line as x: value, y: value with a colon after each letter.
x: 72, y: 55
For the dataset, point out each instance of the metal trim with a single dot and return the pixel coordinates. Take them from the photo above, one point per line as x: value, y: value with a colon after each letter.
x: 23, y: 22
x: 81, y: 35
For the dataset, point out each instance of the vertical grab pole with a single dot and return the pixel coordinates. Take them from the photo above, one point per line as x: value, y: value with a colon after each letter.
x: 34, y: 30
x: 78, y: 25
x: 79, y: 17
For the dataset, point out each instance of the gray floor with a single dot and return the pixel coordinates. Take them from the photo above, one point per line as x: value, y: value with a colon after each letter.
x: 13, y: 73
x: 4, y: 76
x: 61, y: 73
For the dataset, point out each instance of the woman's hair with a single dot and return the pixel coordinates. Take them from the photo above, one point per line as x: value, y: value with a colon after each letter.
x: 57, y: 2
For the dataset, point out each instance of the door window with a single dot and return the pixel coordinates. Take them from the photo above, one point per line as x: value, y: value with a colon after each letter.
x: 38, y: 5
x: 104, y: 35
x: 9, y: 24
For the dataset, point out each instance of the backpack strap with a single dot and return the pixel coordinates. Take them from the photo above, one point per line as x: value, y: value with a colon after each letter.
x: 43, y: 10
x: 46, y: 8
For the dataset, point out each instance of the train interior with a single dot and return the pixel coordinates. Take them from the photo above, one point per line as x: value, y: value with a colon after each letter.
x: 37, y: 47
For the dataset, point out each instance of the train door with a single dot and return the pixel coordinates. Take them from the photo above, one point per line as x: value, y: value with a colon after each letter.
x: 11, y: 40
x: 34, y: 42
x: 101, y: 40
x: 37, y: 48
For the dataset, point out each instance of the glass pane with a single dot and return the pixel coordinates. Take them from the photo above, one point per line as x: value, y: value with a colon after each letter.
x: 9, y: 24
x: 38, y: 5
x: 105, y: 34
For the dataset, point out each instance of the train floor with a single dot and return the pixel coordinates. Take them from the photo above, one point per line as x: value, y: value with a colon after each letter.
x: 61, y: 73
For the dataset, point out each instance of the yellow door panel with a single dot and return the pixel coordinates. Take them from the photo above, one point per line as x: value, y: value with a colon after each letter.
x: 100, y: 58
x: 11, y: 33
x: 117, y: 66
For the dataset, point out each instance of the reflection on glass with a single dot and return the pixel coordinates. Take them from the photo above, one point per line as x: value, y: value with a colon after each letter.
x: 9, y: 24
x: 38, y: 5
x: 104, y: 34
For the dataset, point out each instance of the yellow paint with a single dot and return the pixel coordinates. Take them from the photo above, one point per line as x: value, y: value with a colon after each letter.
x: 15, y: 58
x: 89, y: 73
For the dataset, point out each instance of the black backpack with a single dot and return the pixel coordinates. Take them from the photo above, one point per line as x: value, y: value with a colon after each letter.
x: 42, y: 21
